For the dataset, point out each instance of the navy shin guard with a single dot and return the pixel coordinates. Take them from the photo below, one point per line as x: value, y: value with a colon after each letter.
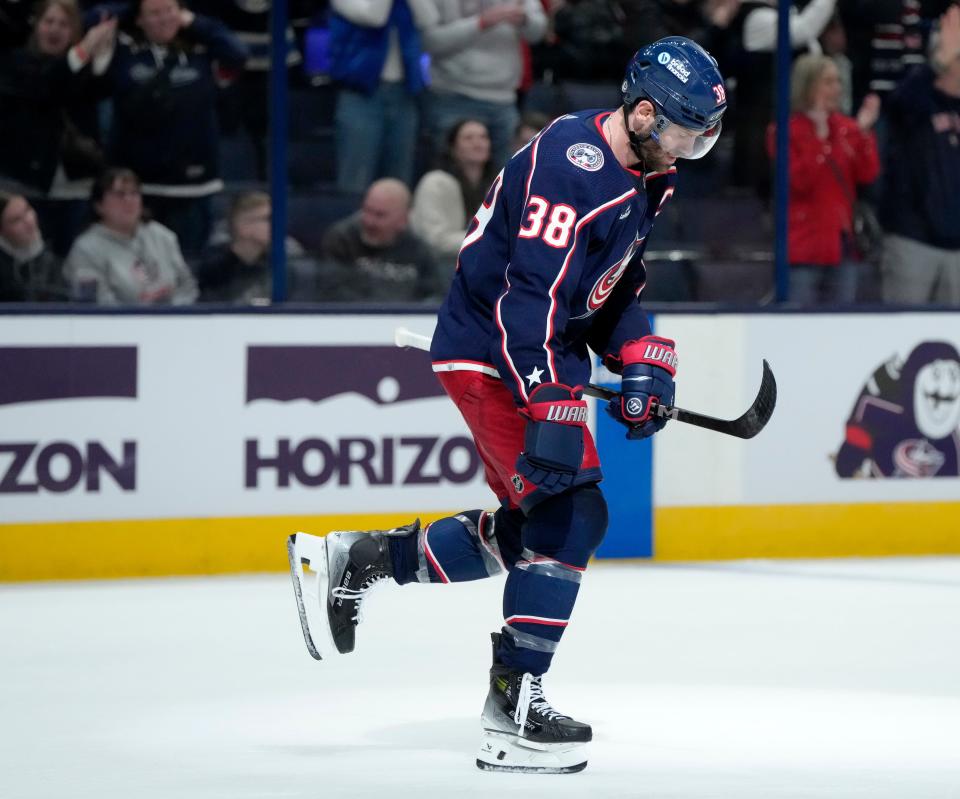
x: 559, y: 537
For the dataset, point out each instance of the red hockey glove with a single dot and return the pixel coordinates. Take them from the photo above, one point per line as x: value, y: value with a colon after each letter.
x: 649, y: 366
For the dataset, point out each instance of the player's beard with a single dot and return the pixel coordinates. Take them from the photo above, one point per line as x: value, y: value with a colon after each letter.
x: 655, y: 158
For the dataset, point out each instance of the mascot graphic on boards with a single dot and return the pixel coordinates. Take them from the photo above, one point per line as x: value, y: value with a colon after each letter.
x: 906, y: 421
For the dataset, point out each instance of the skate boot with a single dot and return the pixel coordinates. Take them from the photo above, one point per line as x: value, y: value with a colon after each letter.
x: 345, y: 566
x: 522, y: 732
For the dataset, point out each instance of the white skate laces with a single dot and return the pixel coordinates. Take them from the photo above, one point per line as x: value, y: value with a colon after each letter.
x: 531, y: 695
x: 357, y: 595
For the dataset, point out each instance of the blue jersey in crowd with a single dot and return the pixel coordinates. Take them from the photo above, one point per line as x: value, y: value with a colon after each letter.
x: 551, y: 262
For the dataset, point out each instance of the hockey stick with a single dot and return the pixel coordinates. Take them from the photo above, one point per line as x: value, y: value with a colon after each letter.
x: 751, y: 422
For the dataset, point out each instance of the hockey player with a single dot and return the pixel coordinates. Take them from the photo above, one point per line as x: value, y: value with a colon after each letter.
x: 550, y: 266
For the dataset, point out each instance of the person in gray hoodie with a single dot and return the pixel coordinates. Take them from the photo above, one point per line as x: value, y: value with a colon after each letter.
x: 475, y: 64
x: 125, y: 259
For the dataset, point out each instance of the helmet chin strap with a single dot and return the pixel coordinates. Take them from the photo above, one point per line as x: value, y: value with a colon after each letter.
x: 636, y: 140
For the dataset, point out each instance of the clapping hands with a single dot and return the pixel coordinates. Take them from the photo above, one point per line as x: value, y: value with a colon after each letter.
x: 948, y: 44
x: 101, y: 37
x: 869, y: 112
x: 506, y: 12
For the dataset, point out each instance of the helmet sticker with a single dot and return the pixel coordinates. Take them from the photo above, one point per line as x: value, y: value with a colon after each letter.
x: 678, y: 68
x: 664, y: 57
x: 585, y: 156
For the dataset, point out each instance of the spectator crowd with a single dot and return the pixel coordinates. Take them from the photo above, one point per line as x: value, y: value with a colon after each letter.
x: 117, y: 185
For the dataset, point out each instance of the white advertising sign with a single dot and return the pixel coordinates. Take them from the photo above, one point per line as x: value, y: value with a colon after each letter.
x: 127, y: 417
x: 895, y: 377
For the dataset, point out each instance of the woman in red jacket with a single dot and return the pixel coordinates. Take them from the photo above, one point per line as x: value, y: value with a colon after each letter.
x: 830, y: 155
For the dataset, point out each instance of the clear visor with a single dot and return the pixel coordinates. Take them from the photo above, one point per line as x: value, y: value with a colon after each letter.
x: 682, y: 142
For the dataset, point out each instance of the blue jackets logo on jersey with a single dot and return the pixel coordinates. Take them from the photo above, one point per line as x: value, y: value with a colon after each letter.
x: 585, y: 156
x: 608, y: 280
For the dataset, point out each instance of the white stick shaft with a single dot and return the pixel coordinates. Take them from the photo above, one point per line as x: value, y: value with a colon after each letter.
x: 403, y: 337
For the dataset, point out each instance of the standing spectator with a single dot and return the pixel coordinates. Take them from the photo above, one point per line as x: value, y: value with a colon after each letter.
x: 588, y: 41
x: 886, y: 40
x: 125, y: 259
x: 447, y: 198
x: 48, y: 93
x: 752, y: 36
x: 29, y: 270
x: 246, y: 101
x: 830, y: 155
x: 239, y: 270
x: 165, y: 121
x: 375, y: 55
x: 833, y: 40
x: 476, y: 64
x: 920, y: 209
x: 374, y: 256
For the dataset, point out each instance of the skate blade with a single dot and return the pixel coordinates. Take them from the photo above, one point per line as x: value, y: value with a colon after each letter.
x: 505, y: 752
x: 310, y: 591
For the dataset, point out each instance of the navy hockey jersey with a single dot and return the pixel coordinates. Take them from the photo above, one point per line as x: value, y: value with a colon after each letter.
x: 551, y: 263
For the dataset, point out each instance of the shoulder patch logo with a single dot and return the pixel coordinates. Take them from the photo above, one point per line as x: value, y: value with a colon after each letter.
x: 585, y: 156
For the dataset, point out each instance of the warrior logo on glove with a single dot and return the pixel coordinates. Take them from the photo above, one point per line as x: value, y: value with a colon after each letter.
x: 564, y: 412
x: 634, y: 406
x: 658, y: 353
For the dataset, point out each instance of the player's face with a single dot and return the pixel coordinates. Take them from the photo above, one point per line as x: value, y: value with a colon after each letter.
x: 18, y: 224
x: 655, y: 158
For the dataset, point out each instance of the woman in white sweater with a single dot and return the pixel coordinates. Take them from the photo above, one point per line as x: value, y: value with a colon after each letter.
x: 124, y: 259
x: 446, y: 199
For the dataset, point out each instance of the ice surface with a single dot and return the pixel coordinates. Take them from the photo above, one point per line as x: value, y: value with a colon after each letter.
x: 740, y: 680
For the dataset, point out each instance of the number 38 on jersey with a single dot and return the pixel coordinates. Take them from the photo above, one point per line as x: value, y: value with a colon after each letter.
x: 552, y: 223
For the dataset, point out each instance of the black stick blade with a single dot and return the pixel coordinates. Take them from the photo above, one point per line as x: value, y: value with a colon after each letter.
x: 753, y: 420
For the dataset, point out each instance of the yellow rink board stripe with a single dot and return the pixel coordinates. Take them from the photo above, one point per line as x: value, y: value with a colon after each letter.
x: 807, y: 531
x: 159, y: 547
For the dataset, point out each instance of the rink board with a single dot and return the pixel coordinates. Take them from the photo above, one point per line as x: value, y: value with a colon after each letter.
x: 183, y: 444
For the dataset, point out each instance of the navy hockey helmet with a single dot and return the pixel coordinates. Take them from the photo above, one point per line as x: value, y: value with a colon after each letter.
x: 683, y: 82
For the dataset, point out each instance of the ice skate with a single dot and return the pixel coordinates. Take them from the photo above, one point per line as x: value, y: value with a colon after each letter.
x: 522, y: 732
x: 342, y: 567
